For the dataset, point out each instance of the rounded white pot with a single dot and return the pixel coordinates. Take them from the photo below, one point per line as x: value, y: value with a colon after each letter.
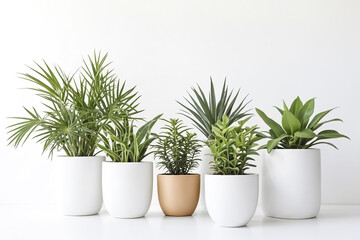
x: 231, y: 200
x: 127, y: 188
x: 291, y: 183
x: 78, y: 184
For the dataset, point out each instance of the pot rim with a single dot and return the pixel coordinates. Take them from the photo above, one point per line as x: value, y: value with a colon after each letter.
x: 65, y: 156
x: 191, y: 174
x: 292, y: 149
x: 128, y: 163
x: 244, y: 175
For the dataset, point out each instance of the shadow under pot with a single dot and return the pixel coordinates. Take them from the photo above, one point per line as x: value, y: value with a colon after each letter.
x: 178, y: 194
x: 291, y: 183
x: 127, y: 188
x: 231, y: 200
x: 78, y: 185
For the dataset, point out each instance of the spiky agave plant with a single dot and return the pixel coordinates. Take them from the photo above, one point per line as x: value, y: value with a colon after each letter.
x: 77, y: 107
x: 205, y: 112
x: 177, y: 148
x: 122, y: 144
x: 297, y: 129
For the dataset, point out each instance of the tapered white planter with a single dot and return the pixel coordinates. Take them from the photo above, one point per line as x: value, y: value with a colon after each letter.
x: 291, y: 183
x: 127, y: 188
x: 78, y: 184
x: 231, y: 200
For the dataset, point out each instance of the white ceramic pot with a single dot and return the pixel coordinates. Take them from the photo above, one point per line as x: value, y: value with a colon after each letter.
x: 231, y: 200
x: 291, y: 183
x: 127, y: 188
x: 78, y: 184
x: 204, y: 168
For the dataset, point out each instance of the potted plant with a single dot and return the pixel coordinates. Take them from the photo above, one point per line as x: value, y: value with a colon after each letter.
x: 291, y: 180
x: 127, y: 180
x: 231, y: 194
x: 75, y: 111
x: 178, y: 150
x: 204, y: 112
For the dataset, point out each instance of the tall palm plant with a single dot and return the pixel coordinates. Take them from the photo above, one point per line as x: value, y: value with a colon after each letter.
x: 76, y: 109
x: 205, y: 112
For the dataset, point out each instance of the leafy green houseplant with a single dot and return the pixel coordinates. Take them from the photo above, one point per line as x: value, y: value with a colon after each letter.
x: 122, y: 144
x: 233, y: 148
x: 204, y: 111
x: 75, y: 110
x: 177, y: 150
x: 297, y: 129
x: 127, y: 179
x: 292, y: 164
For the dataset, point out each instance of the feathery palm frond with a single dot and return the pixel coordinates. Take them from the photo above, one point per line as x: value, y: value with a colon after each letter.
x: 75, y: 111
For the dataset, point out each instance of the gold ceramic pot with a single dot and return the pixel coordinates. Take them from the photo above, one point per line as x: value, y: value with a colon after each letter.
x: 178, y: 194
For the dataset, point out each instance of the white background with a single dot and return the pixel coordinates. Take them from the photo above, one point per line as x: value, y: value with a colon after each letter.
x: 273, y: 50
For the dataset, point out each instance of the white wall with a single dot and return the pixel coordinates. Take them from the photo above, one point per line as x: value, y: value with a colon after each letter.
x: 273, y: 50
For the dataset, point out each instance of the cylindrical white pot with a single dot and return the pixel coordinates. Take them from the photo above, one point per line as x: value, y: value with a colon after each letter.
x: 78, y: 184
x: 231, y: 200
x: 291, y: 183
x: 127, y: 188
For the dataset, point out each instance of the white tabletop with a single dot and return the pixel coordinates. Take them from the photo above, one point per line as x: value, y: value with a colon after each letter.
x: 44, y: 222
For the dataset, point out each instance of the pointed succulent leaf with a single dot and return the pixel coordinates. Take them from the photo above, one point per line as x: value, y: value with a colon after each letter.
x: 146, y: 128
x: 327, y: 143
x: 290, y: 122
x: 306, y: 133
x: 305, y: 112
x: 322, y: 123
x: 327, y: 134
x: 276, y: 128
x: 318, y: 118
x: 280, y: 110
x: 274, y: 142
x: 285, y: 106
x: 296, y: 106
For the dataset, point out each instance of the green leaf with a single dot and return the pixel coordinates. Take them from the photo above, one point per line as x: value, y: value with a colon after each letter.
x: 296, y: 106
x: 76, y: 111
x: 280, y: 110
x: 146, y: 128
x: 176, y: 148
x: 327, y: 143
x: 205, y: 112
x: 305, y: 112
x: 327, y: 134
x: 306, y: 133
x: 322, y: 123
x: 285, y: 106
x: 290, y: 122
x: 318, y: 118
x: 271, y: 123
x: 274, y: 142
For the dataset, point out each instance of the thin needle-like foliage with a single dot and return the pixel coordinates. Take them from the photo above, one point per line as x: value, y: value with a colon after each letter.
x: 77, y: 107
x: 204, y: 111
x: 176, y: 148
